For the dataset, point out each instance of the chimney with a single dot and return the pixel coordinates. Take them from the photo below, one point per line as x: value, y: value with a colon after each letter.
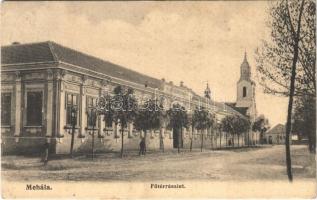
x: 15, y: 43
x: 181, y: 84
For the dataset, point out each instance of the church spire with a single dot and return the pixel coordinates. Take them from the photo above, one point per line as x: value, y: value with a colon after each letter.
x: 245, y: 71
x: 245, y: 55
x: 207, y: 92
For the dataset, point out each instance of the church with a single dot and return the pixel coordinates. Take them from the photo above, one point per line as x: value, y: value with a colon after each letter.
x: 41, y: 82
x: 245, y: 103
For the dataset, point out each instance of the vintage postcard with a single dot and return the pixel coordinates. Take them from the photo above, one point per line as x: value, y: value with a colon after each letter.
x: 158, y: 99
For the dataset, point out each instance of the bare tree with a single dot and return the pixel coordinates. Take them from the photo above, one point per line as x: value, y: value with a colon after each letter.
x: 286, y: 64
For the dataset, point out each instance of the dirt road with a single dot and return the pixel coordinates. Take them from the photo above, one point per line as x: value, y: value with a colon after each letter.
x: 266, y: 163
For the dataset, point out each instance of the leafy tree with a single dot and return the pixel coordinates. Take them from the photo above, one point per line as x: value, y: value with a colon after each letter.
x: 227, y: 125
x: 121, y: 109
x: 202, y: 120
x: 286, y: 64
x: 235, y: 125
x: 149, y: 117
x: 178, y: 119
x: 242, y: 126
x: 261, y: 124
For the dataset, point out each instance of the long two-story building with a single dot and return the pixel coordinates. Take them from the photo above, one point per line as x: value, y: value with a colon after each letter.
x: 41, y: 82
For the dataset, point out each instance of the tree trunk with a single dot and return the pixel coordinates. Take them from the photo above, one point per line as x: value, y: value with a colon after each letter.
x: 312, y: 141
x: 220, y: 138
x: 248, y: 138
x: 202, y: 142
x: 92, y: 143
x: 144, y: 141
x: 238, y: 140
x: 179, y: 140
x: 216, y: 139
x: 232, y: 140
x: 182, y: 145
x: 212, y: 140
x: 245, y: 138
x: 72, y: 141
x: 226, y: 139
x: 191, y: 140
x: 261, y: 136
x: 291, y: 93
x: 162, y: 141
x: 122, y: 130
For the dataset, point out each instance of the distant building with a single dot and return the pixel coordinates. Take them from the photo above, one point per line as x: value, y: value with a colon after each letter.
x: 275, y: 135
x: 41, y: 82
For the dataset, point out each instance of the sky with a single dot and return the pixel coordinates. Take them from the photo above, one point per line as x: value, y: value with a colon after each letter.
x: 193, y: 42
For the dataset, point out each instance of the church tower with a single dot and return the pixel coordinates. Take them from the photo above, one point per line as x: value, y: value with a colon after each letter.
x: 246, y: 89
x: 207, y: 92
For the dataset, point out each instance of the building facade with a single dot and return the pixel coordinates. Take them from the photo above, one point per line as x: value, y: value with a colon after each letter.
x: 276, y: 135
x: 41, y: 82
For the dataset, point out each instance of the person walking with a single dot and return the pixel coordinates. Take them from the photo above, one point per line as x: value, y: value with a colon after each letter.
x: 46, y: 152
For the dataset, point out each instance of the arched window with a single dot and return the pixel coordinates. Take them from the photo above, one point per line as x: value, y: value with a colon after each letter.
x: 244, y: 92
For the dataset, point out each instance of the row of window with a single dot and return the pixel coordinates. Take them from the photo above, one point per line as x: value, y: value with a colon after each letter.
x: 72, y: 103
x: 34, y: 102
x: 33, y: 109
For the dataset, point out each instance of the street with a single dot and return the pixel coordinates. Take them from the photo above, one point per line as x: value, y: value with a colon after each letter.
x: 248, y: 164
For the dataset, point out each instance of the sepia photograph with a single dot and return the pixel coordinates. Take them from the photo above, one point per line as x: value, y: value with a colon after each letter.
x: 158, y: 99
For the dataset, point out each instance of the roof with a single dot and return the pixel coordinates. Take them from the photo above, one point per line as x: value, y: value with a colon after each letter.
x: 51, y: 51
x: 222, y: 106
x: 241, y: 110
x: 278, y: 129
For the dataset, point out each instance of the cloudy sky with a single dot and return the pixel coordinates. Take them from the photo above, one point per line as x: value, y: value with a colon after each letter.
x: 194, y: 42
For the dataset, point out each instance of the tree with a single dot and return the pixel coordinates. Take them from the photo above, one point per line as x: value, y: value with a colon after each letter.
x: 149, y: 117
x: 120, y: 108
x: 242, y: 126
x: 304, y: 123
x: 202, y: 120
x: 227, y: 124
x: 178, y: 119
x: 293, y: 31
x: 286, y: 65
x: 261, y: 124
x: 235, y: 125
